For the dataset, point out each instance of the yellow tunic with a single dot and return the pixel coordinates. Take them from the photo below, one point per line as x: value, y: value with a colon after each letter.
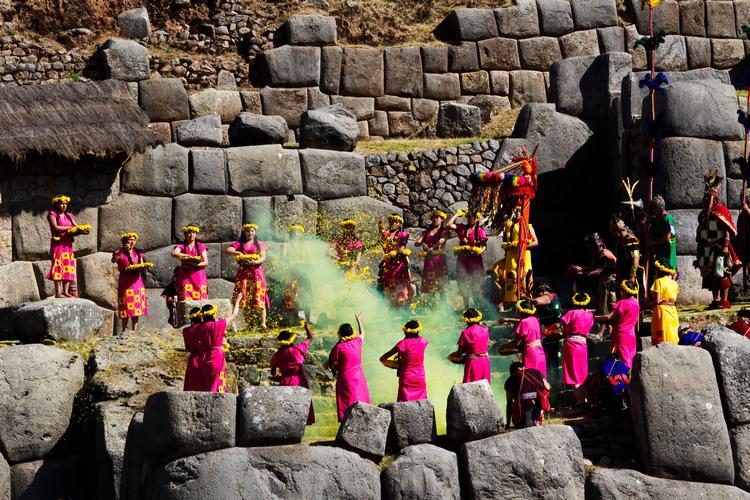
x: 510, y: 243
x: 664, y: 321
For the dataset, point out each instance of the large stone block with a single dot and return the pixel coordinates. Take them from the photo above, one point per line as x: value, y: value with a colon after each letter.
x: 289, y: 103
x: 706, y: 109
x: 272, y: 415
x: 511, y: 465
x: 518, y: 21
x: 57, y: 319
x: 309, y: 29
x: 250, y: 129
x: 442, y: 87
x: 111, y: 431
x: 666, y: 16
x: 539, y: 53
x: 133, y: 465
x: 333, y: 127
x: 402, y: 124
x: 472, y: 412
x: 293, y: 471
x: 580, y: 43
x: 31, y: 233
x: 403, y: 70
x: 4, y: 479
x: 594, y: 13
x: 330, y: 69
x: 291, y: 210
x: 332, y: 174
x: 290, y: 66
x: 489, y: 105
x: 434, y: 59
x: 269, y: 169
x: 740, y: 437
x: 362, y: 72
x: 361, y: 108
x: 97, y: 278
x: 36, y: 398
x: 208, y: 171
x: 362, y: 208
x: 500, y: 82
x: 17, y: 284
x: 201, y: 131
x: 134, y: 23
x: 129, y: 212
x: 672, y: 54
x: 467, y: 24
x: 476, y: 82
x: 458, y: 120
x: 463, y: 57
x: 527, y: 87
x: 219, y: 216
x: 365, y: 429
x: 681, y: 160
x: 499, y: 53
x: 638, y: 53
x: 225, y: 103
x: 412, y: 423
x: 691, y: 290
x: 164, y: 99
x: 720, y: 19
x: 611, y: 39
x: 422, y: 471
x: 669, y: 444
x: 693, y: 17
x: 731, y: 356
x: 125, y: 60
x: 686, y: 225
x: 726, y: 53
x: 555, y: 17
x: 180, y: 424
x: 52, y: 477
x: 160, y: 171
x: 698, y: 51
x: 616, y: 483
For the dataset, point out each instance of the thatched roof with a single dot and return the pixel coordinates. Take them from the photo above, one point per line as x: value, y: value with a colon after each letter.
x: 71, y: 120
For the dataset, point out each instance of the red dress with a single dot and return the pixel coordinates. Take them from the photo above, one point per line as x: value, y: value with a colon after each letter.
x: 206, y: 364
x: 351, y: 384
x: 469, y: 264
x: 475, y: 341
x: 412, y: 385
x: 289, y: 361
x: 435, y: 269
x: 131, y: 293
x: 741, y: 327
x: 396, y: 283
x: 533, y: 352
x: 63, y: 266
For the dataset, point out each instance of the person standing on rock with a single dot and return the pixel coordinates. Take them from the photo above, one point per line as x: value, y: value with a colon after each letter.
x: 528, y: 336
x: 250, y: 279
x: 664, y: 293
x: 432, y: 242
x: 204, y: 341
x: 624, y: 318
x: 396, y: 274
x: 287, y: 362
x: 412, y: 385
x: 473, y: 346
x: 345, y: 361
x: 472, y: 242
x: 192, y: 283
x: 132, y: 302
x: 63, y: 227
x: 577, y: 324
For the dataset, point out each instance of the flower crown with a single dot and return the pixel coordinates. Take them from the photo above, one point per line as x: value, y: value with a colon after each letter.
x: 581, y: 299
x: 191, y: 316
x: 348, y: 222
x: 190, y: 228
x: 416, y: 329
x: 396, y: 217
x: 661, y: 267
x: 439, y: 213
x: 473, y: 319
x: 130, y: 234
x: 245, y: 227
x: 287, y: 342
x: 632, y: 291
x: 61, y: 198
x: 523, y: 310
x: 213, y: 311
x: 296, y: 227
x: 348, y: 337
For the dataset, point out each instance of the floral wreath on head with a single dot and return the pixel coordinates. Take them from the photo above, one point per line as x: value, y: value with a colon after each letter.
x: 439, y: 213
x: 632, y: 291
x: 396, y: 217
x: 581, y: 299
x: 287, y: 342
x: 521, y: 309
x: 213, y: 311
x: 191, y: 316
x: 249, y: 225
x: 130, y: 234
x: 61, y: 198
x: 416, y: 329
x: 296, y: 227
x: 190, y: 228
x: 473, y: 319
x: 661, y: 267
x: 348, y: 222
x: 353, y: 336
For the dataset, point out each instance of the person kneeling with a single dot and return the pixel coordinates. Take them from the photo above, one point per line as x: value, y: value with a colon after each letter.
x: 527, y: 396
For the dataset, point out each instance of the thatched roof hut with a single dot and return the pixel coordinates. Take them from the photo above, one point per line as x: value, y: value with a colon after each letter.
x: 71, y: 120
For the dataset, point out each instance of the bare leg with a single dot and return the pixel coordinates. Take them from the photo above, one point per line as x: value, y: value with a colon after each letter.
x: 58, y: 289
x: 124, y: 323
x: 263, y: 318
x: 134, y: 322
x: 66, y: 289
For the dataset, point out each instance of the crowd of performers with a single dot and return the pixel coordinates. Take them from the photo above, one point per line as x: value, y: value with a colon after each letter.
x: 616, y: 308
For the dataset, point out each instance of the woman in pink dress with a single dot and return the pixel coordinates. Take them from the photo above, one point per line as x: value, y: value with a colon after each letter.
x: 528, y: 337
x: 131, y: 292
x: 435, y: 269
x: 472, y: 348
x: 250, y: 279
x: 472, y: 242
x: 347, y: 248
x: 287, y: 361
x: 62, y: 225
x: 624, y: 318
x: 192, y: 283
x: 396, y: 275
x: 577, y: 324
x: 412, y: 385
x: 345, y: 361
x: 204, y: 341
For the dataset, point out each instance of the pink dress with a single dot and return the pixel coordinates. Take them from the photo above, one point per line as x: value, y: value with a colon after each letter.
x: 474, y: 341
x: 623, y: 331
x: 206, y: 364
x: 470, y: 265
x: 346, y: 251
x: 396, y: 283
x: 61, y: 250
x: 131, y: 293
x: 435, y: 269
x: 192, y: 283
x: 250, y: 280
x: 533, y: 352
x: 412, y: 385
x: 575, y: 356
x: 289, y: 361
x: 351, y: 384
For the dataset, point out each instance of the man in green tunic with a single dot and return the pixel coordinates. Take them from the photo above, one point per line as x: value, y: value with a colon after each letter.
x: 662, y: 234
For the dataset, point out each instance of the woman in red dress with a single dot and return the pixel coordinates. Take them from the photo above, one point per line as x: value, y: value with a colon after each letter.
x: 396, y: 275
x: 287, y: 362
x: 472, y: 242
x: 412, y: 385
x: 63, y: 227
x: 345, y: 360
x: 432, y: 241
x: 472, y: 347
x: 250, y: 279
x: 131, y: 292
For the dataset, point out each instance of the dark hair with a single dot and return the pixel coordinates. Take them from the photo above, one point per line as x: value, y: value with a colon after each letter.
x: 471, y: 313
x: 526, y: 304
x: 543, y: 288
x: 184, y: 238
x: 195, y: 319
x: 345, y: 330
x: 243, y: 240
x: 411, y: 324
x: 743, y: 313
x: 515, y: 367
x: 138, y: 254
x: 284, y: 335
x: 205, y: 309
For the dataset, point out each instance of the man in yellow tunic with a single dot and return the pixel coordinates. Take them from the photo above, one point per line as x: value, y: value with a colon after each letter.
x: 510, y: 244
x: 664, y: 293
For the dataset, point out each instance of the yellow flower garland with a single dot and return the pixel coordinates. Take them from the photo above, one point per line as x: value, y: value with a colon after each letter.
x: 61, y: 198
x: 211, y: 312
x: 247, y: 258
x: 140, y: 267
x: 193, y: 316
x: 661, y: 267
x: 523, y: 310
x: 287, y: 342
x: 192, y: 228
x: 191, y: 258
x: 348, y: 222
x: 80, y: 229
x: 439, y: 213
x: 412, y: 330
x: 394, y: 253
x: 396, y: 217
x: 468, y: 249
x: 586, y: 298
x: 296, y: 227
x: 631, y: 291
x: 474, y: 319
x: 245, y: 227
x: 349, y: 337
x: 130, y: 234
